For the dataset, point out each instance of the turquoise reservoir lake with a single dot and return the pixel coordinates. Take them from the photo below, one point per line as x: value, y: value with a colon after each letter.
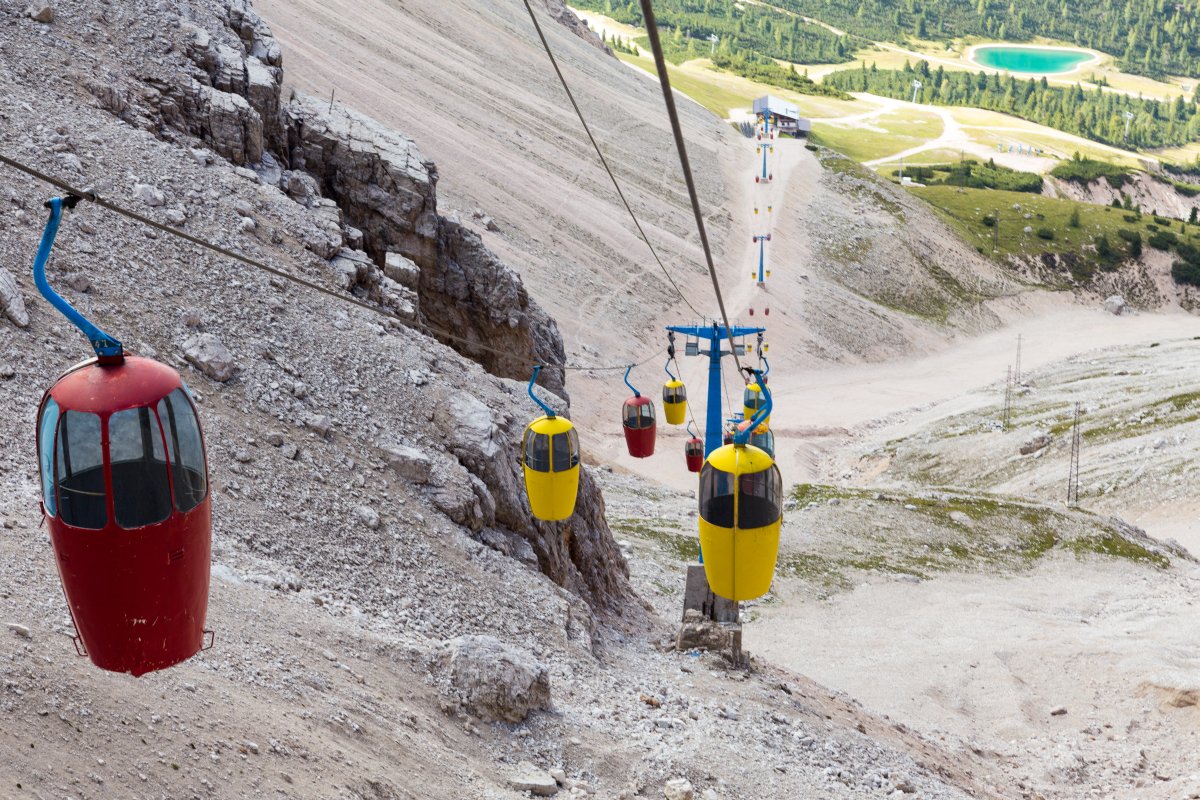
x: 1035, y: 60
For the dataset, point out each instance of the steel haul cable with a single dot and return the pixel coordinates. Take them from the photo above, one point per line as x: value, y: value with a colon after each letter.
x: 92, y: 197
x: 665, y: 82
x: 571, y: 96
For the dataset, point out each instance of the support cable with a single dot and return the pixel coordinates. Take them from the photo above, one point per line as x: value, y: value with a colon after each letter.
x: 92, y: 197
x: 676, y: 128
x: 603, y: 160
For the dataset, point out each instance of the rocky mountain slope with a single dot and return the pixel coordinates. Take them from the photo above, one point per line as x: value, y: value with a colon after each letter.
x: 390, y: 623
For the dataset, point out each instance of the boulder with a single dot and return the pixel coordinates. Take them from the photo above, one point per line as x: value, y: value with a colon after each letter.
x: 678, y: 789
x: 1116, y: 305
x: 529, y: 778
x: 149, y: 195
x: 40, y: 12
x: 564, y: 16
x: 1035, y: 444
x: 403, y: 271
x: 408, y: 462
x: 206, y: 353
x: 367, y: 516
x: 698, y: 632
x: 495, y: 681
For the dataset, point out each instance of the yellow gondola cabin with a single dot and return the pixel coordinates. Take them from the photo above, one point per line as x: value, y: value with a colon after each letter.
x: 550, y: 460
x: 741, y: 513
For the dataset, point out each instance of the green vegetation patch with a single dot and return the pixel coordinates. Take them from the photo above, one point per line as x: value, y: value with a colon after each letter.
x: 715, y: 98
x: 974, y: 174
x: 1179, y: 409
x: 949, y: 531
x: 1085, y: 170
x: 772, y: 73
x: 1086, y: 239
x: 685, y: 27
x: 679, y: 543
x: 885, y: 135
x: 1093, y: 114
x: 1146, y: 37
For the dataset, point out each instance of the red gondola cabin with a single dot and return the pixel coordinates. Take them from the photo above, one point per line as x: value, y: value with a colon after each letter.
x: 693, y: 451
x: 638, y: 419
x: 125, y: 493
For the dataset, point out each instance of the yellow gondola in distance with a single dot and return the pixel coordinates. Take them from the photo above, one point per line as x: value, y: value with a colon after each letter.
x: 753, y: 401
x: 741, y: 514
x: 550, y: 459
x: 674, y: 398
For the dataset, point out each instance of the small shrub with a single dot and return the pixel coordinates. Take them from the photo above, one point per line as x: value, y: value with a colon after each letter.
x: 811, y: 147
x: 1189, y: 252
x: 1130, y: 235
x: 1164, y: 222
x: 988, y: 221
x: 1045, y: 233
x: 1103, y: 248
x: 1074, y: 220
x: 1129, y: 217
x: 1162, y: 240
x: 1186, y: 273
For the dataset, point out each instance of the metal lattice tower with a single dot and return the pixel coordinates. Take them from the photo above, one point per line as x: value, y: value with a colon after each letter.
x: 1073, y: 478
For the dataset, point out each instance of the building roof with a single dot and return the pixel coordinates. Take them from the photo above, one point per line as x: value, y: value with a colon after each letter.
x: 776, y: 106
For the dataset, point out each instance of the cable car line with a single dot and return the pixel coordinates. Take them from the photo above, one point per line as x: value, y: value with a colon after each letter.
x: 571, y: 96
x: 665, y: 82
x: 92, y: 197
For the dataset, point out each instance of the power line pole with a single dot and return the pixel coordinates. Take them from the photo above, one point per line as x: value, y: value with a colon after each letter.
x: 1073, y: 477
x: 1006, y: 417
x: 1017, y: 368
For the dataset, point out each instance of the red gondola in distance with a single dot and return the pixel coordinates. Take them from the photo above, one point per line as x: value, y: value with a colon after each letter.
x: 693, y: 451
x: 125, y: 496
x: 637, y: 419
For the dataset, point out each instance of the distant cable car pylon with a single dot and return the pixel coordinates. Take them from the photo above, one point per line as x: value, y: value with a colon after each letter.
x: 762, y: 274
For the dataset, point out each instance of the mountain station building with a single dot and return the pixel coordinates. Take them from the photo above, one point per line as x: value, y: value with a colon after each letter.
x: 784, y: 115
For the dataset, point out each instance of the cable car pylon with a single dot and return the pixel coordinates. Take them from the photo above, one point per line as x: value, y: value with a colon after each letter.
x: 762, y: 274
x: 714, y: 334
x: 765, y: 177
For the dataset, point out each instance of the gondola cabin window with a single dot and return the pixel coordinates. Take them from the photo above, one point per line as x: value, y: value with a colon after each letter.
x: 79, y: 471
x: 566, y: 450
x: 716, y: 489
x: 46, y: 428
x: 638, y: 416
x: 537, y: 451
x: 759, y: 498
x: 185, y: 447
x: 140, y: 483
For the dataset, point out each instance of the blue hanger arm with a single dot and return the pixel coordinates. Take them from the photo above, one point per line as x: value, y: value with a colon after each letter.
x: 107, y: 348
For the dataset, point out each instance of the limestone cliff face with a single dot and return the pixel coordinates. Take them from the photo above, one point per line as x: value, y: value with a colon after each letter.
x: 566, y: 17
x: 384, y: 192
